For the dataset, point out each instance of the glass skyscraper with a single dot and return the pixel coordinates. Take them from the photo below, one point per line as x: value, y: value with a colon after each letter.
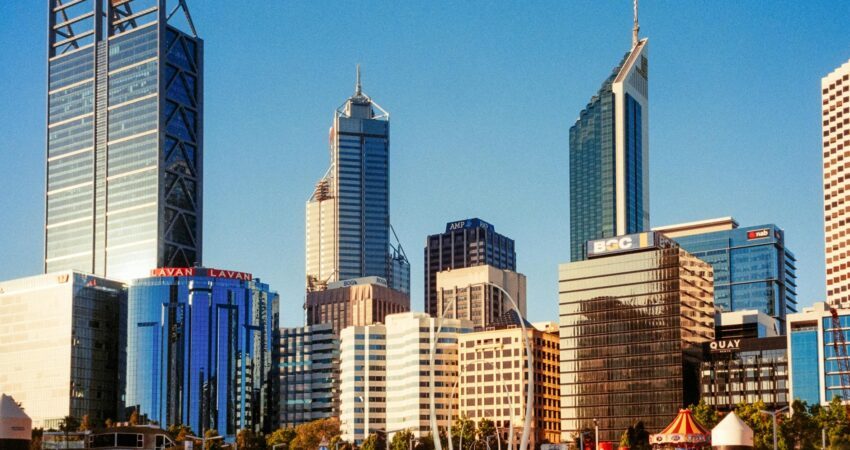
x: 348, y: 214
x: 753, y: 270
x: 124, y: 138
x: 609, y: 157
x: 199, y: 350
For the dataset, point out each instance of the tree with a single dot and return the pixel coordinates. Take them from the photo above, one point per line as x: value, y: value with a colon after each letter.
x: 800, y: 431
x: 179, y: 433
x: 35, y: 443
x: 212, y: 444
x: 705, y: 414
x: 68, y: 425
x: 401, y: 440
x: 310, y: 434
x: 280, y: 436
x: 374, y: 442
x: 425, y: 443
x: 85, y: 424
x: 762, y: 424
x: 834, y: 420
x: 248, y: 440
x: 108, y: 423
x: 486, y: 430
x: 134, y: 417
x: 463, y: 432
x: 640, y: 438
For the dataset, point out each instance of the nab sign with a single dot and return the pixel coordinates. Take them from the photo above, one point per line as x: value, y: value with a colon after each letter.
x: 620, y: 244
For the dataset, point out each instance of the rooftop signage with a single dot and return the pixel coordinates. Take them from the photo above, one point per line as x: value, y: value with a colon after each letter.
x: 623, y: 244
x: 468, y: 223
x: 200, y: 272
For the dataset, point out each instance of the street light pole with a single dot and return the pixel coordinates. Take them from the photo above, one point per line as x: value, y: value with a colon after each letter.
x: 774, y: 413
x: 596, y: 434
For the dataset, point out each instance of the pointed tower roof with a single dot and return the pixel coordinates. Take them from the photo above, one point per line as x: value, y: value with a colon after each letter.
x: 14, y: 422
x: 732, y: 431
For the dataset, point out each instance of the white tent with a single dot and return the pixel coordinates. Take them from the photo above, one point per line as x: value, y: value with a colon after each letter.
x: 14, y: 422
x: 732, y: 433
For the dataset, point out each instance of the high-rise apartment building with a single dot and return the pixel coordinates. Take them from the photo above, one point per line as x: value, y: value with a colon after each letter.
x: 124, y: 138
x: 835, y: 95
x: 753, y: 269
x: 494, y: 378
x: 348, y: 214
x: 475, y: 294
x: 634, y: 317
x: 62, y: 346
x: 465, y: 243
x: 386, y: 375
x: 199, y: 350
x: 308, y: 362
x: 360, y: 301
x: 609, y: 156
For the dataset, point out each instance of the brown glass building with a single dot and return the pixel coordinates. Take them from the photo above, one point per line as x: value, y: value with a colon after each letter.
x: 633, y: 321
x: 360, y: 301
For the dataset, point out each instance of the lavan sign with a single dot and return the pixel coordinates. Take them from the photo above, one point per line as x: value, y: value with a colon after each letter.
x: 201, y: 272
x: 620, y: 244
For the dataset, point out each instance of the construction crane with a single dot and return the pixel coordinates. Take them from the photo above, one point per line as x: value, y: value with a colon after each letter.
x: 840, y: 345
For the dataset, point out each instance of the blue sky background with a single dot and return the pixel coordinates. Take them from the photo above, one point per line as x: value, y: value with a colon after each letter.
x: 481, y: 97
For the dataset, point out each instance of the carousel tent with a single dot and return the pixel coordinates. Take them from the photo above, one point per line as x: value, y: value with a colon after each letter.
x: 15, y: 425
x: 683, y: 432
x: 732, y: 434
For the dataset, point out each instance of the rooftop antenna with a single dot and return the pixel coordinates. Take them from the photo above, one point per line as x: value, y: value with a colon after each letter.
x: 358, y: 91
x: 636, y: 28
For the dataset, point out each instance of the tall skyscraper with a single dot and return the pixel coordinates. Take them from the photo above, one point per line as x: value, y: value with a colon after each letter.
x: 609, y: 155
x: 465, y: 243
x: 835, y: 93
x: 124, y: 138
x: 753, y: 269
x: 474, y: 294
x: 348, y: 215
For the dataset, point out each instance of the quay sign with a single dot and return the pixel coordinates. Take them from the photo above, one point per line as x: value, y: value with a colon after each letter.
x: 200, y: 271
x: 725, y: 346
x: 620, y: 244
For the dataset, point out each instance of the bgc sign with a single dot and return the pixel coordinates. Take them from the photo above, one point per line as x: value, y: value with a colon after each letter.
x: 620, y: 244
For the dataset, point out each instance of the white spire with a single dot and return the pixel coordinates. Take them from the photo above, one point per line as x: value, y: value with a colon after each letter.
x: 358, y: 91
x: 636, y: 28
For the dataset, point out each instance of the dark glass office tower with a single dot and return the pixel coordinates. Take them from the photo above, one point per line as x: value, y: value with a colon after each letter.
x: 124, y: 137
x: 609, y: 151
x: 634, y: 318
x: 200, y: 345
x: 348, y: 215
x: 465, y: 243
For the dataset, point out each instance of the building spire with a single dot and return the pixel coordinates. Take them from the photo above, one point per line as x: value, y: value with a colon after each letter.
x: 636, y: 28
x: 358, y: 90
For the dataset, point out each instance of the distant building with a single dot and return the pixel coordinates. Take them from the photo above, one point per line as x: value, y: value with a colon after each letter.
x: 62, y: 346
x: 360, y: 301
x: 494, y: 376
x: 386, y: 375
x: 465, y: 243
x: 747, y: 324
x: 125, y: 144
x: 470, y: 294
x: 745, y: 370
x: 634, y: 318
x: 308, y: 361
x: 835, y: 98
x: 200, y: 344
x: 609, y: 156
x: 819, y: 363
x: 348, y: 214
x: 753, y: 269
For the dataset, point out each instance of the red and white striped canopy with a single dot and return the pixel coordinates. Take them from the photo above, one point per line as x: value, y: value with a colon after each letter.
x: 683, y: 432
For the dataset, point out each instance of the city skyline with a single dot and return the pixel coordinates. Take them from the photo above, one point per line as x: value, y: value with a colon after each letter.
x: 538, y: 257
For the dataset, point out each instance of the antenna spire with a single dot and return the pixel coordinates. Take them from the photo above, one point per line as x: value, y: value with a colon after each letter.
x: 636, y: 28
x: 358, y: 90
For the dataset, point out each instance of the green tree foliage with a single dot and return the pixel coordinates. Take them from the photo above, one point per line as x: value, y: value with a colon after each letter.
x: 834, y: 420
x: 309, y: 435
x: 463, y: 433
x: 374, y: 442
x: 85, y: 424
x: 179, y: 433
x: 424, y: 443
x: 401, y: 440
x: 486, y: 431
x: 215, y: 444
x: 280, y: 436
x: 705, y: 414
x: 248, y: 440
x: 762, y: 424
x: 636, y: 437
x: 800, y: 431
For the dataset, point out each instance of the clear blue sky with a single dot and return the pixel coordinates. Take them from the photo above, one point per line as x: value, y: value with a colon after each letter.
x: 481, y: 96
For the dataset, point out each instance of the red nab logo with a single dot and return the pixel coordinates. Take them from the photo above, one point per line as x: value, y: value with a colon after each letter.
x: 758, y: 234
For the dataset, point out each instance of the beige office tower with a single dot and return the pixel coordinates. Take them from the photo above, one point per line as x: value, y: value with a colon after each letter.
x: 386, y: 381
x: 493, y: 377
x: 470, y: 294
x: 356, y: 302
x: 835, y: 91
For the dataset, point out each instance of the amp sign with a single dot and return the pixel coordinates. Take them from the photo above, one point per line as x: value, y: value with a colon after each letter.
x: 620, y: 244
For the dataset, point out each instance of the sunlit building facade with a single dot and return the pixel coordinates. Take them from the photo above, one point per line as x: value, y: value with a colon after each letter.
x: 124, y: 138
x: 200, y: 350
x: 819, y: 365
x: 348, y: 215
x: 835, y: 96
x: 475, y: 294
x: 634, y: 318
x: 360, y: 301
x: 308, y: 374
x: 62, y: 346
x: 609, y: 156
x: 465, y: 243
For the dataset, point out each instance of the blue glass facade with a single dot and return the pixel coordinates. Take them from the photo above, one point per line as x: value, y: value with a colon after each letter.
x: 753, y: 270
x: 608, y: 152
x: 832, y: 358
x: 805, y: 380
x: 200, y: 351
x: 124, y: 140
